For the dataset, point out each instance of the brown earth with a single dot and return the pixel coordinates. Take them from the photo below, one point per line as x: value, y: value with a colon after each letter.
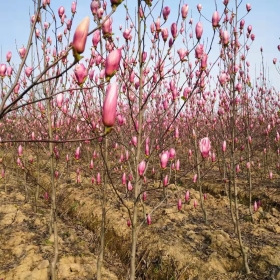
x: 177, y: 245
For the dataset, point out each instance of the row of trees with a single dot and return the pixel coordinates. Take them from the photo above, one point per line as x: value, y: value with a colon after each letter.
x: 143, y: 109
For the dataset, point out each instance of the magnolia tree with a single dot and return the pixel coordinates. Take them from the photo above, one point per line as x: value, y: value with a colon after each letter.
x: 140, y: 111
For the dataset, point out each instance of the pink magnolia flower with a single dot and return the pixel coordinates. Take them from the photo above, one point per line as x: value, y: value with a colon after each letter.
x: 165, y: 12
x: 107, y: 28
x: 179, y: 204
x: 134, y: 141
x: 248, y: 7
x: 203, y: 61
x: 98, y: 178
x: 127, y: 34
x: 241, y: 24
x: 172, y: 153
x: 124, y: 179
x: 195, y: 178
x: 164, y: 34
x: 164, y: 160
x: 8, y: 56
x: 129, y: 186
x: 205, y: 146
x: 59, y: 100
x: 112, y: 63
x: 237, y: 168
x: 225, y: 38
x: 3, y: 69
x: 199, y: 51
x: 187, y: 195
x: 22, y: 52
x: 177, y: 166
x: 46, y: 196
x: 81, y: 73
x: 141, y: 168
x: 255, y: 206
x: 144, y: 196
x: 80, y: 38
x: 198, y: 30
x: 109, y: 106
x: 184, y: 11
x: 224, y: 146
x: 73, y: 7
x: 249, y: 29
x: 174, y: 30
x: 215, y: 19
x: 94, y: 6
x: 165, y: 181
x: 20, y: 150
x: 77, y: 153
x: 199, y: 7
x: 149, y: 220
x: 28, y: 71
x: 61, y: 11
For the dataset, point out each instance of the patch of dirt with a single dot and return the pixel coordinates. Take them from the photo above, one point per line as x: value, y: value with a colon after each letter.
x: 177, y: 245
x: 27, y: 248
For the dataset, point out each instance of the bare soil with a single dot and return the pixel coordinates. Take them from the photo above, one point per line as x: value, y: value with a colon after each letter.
x: 177, y: 245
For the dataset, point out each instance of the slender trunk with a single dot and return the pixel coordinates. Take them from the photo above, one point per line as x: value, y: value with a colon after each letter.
x: 199, y: 181
x: 138, y: 153
x: 103, y: 222
x: 38, y: 177
x: 53, y: 216
x: 233, y: 171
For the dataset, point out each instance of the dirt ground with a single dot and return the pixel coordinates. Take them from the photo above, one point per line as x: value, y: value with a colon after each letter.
x: 177, y: 245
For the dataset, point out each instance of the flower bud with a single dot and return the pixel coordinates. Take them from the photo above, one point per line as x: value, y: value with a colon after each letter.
x: 141, y: 168
x: 109, y: 106
x: 164, y: 160
x: 205, y: 146
x: 198, y: 30
x: 112, y: 63
x: 184, y: 11
x: 8, y: 56
x: 165, y: 12
x: 80, y: 38
x: 73, y: 7
x: 215, y: 19
x: 179, y: 204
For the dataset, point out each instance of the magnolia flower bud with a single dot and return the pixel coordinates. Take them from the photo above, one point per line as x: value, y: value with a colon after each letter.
x: 248, y: 7
x: 73, y: 7
x: 165, y: 12
x: 141, y: 168
x: 59, y: 100
x: 179, y: 204
x: 184, y: 11
x: 80, y: 38
x: 198, y: 30
x: 8, y: 56
x: 187, y: 195
x: 164, y: 160
x: 112, y: 63
x: 215, y: 19
x: 205, y: 146
x: 149, y: 220
x: 20, y: 150
x: 109, y: 106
